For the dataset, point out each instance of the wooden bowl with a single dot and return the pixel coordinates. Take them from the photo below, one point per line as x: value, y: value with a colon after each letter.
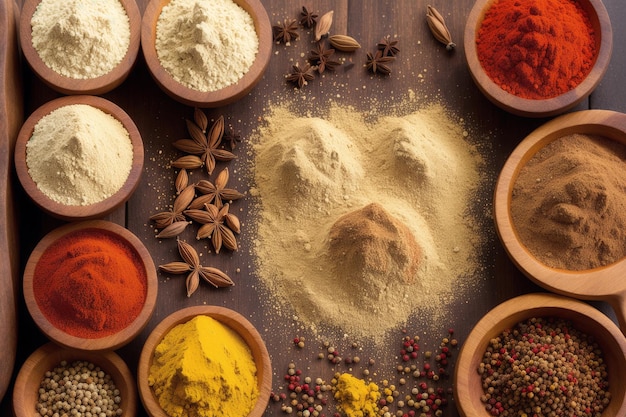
x: 216, y: 98
x: 547, y: 107
x: 228, y: 317
x: 70, y: 212
x: 604, y: 283
x: 50, y: 355
x: 467, y: 382
x: 67, y: 85
x: 107, y: 342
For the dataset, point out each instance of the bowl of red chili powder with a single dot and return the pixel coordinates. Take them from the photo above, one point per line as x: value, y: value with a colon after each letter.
x: 90, y: 285
x: 542, y: 354
x: 538, y: 58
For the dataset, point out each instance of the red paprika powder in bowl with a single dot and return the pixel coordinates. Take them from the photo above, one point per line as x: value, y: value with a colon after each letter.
x: 90, y: 285
x: 538, y: 58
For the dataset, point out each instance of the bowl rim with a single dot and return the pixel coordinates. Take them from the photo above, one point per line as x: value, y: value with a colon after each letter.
x: 226, y: 316
x: 217, y: 98
x: 101, y: 208
x: 593, y: 284
x: 50, y: 353
x: 70, y: 86
x: 548, y: 107
x: 511, y: 312
x: 111, y: 342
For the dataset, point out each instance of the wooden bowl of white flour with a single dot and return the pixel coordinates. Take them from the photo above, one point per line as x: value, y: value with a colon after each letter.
x: 81, y: 50
x: 79, y: 157
x: 206, y: 53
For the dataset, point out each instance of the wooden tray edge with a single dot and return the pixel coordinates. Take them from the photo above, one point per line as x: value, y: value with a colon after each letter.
x: 11, y: 117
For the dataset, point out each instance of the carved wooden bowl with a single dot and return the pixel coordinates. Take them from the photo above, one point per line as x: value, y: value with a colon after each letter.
x: 66, y: 85
x: 123, y: 237
x: 546, y: 107
x: 217, y: 98
x: 467, y: 382
x: 604, y: 283
x: 228, y: 317
x: 50, y: 355
x: 76, y: 212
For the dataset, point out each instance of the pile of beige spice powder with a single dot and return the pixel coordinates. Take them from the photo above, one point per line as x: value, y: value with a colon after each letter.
x: 363, y: 223
x: 81, y: 39
x: 206, y: 45
x: 79, y: 155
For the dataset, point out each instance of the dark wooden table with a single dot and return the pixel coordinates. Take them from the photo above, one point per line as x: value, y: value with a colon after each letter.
x: 160, y: 120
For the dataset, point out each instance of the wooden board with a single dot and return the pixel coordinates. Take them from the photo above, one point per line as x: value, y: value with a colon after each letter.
x: 423, y: 69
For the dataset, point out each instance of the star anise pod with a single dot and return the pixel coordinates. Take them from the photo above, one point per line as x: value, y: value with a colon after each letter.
x: 388, y: 46
x: 203, y: 147
x: 377, y: 63
x: 191, y: 266
x: 286, y: 31
x: 320, y: 57
x: 300, y: 76
x: 173, y: 222
x: 231, y: 138
x: 307, y: 18
x: 215, y: 193
x: 219, y: 225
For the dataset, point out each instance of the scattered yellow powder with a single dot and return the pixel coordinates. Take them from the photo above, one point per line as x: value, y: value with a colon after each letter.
x: 356, y: 397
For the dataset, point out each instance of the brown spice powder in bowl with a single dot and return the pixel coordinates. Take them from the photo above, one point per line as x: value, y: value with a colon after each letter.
x: 587, y: 195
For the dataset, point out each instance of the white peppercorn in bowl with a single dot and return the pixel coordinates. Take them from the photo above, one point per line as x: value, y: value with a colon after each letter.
x: 93, y: 210
x: 47, y: 357
x: 468, y: 384
x: 218, y: 97
x: 65, y: 84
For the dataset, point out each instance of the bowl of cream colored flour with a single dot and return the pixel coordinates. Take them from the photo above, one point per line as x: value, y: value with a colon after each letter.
x: 81, y: 48
x: 79, y: 157
x: 206, y: 53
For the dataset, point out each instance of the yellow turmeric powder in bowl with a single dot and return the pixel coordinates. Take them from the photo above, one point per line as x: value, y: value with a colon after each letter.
x: 203, y: 368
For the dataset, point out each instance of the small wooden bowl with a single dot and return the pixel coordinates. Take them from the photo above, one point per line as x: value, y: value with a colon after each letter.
x: 216, y: 98
x: 596, y: 284
x: 97, y: 210
x: 110, y: 342
x: 25, y: 391
x: 228, y: 317
x: 67, y: 85
x: 547, y: 107
x: 467, y: 382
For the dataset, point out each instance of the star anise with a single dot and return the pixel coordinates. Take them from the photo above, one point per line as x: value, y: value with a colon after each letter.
x: 173, y: 222
x: 286, y: 31
x: 191, y: 266
x: 214, y: 193
x: 217, y: 224
x: 388, y: 46
x: 320, y: 57
x: 307, y: 18
x: 203, y: 146
x: 231, y: 138
x: 300, y: 76
x: 377, y: 63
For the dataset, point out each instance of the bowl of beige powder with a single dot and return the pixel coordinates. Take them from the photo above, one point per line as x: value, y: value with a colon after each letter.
x: 78, y: 47
x: 560, y: 206
x: 206, y: 53
x: 79, y: 157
